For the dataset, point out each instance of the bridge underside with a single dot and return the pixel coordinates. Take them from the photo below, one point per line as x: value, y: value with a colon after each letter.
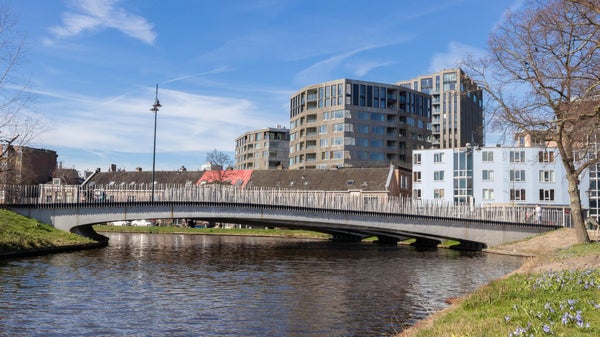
x: 342, y: 225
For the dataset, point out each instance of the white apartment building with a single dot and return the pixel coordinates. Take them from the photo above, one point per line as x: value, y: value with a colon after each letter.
x: 263, y: 149
x: 457, y: 107
x: 493, y: 175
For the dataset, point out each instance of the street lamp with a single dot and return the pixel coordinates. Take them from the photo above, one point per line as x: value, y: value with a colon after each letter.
x: 155, y: 110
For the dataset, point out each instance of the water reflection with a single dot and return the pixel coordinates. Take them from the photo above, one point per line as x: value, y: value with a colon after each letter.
x: 195, y: 285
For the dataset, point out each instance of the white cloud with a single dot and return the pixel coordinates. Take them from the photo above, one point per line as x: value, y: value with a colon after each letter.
x: 96, y: 15
x: 186, y: 122
x: 453, y: 57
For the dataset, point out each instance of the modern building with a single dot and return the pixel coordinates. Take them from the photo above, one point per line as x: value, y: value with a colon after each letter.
x: 26, y: 165
x: 457, y: 108
x: 351, y: 123
x: 492, y: 175
x: 262, y: 149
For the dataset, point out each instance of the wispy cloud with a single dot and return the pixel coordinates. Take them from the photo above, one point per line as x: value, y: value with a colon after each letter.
x: 97, y: 15
x: 323, y: 70
x: 186, y: 122
x: 453, y: 57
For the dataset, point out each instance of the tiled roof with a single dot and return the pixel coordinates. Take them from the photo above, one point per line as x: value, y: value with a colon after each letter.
x: 365, y: 179
x: 238, y: 178
x: 144, y: 177
x: 67, y: 176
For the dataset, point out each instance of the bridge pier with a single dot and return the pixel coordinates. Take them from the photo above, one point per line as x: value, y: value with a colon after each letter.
x: 387, y: 240
x: 469, y: 246
x: 345, y: 237
x: 425, y: 243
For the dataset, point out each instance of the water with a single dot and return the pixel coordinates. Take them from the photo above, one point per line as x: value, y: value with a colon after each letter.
x: 196, y: 285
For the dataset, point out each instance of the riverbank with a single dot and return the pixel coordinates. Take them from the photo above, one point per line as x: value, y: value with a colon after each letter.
x: 555, y: 292
x: 22, y: 236
x: 288, y: 233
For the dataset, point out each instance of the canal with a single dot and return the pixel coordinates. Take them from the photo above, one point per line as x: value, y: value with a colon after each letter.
x: 201, y: 285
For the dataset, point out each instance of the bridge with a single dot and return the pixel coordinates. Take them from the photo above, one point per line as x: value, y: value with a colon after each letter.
x: 344, y: 216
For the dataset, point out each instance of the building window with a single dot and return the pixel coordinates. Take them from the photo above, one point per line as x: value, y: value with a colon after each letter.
x: 416, y: 158
x: 339, y: 127
x: 487, y: 175
x: 363, y: 128
x: 438, y: 175
x: 546, y: 176
x: 517, y: 156
x: 546, y: 157
x: 376, y: 156
x: 438, y: 193
x: 338, y: 154
x: 546, y: 195
x: 517, y: 195
x: 417, y: 176
x: 364, y: 142
x: 517, y: 175
x: 417, y: 194
x: 324, y: 142
x: 488, y: 194
x: 438, y: 157
x: 487, y: 156
x: 322, y: 129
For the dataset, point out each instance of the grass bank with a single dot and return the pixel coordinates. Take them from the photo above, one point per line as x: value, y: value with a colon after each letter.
x: 19, y: 234
x: 215, y: 231
x: 556, y: 293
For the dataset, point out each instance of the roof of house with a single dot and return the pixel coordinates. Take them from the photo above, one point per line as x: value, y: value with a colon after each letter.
x: 67, y: 176
x: 344, y: 179
x: 239, y: 178
x: 366, y: 179
x: 144, y: 177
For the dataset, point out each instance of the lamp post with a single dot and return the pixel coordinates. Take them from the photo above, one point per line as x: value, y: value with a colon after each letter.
x: 155, y: 110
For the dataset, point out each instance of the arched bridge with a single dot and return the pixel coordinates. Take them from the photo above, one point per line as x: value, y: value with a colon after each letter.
x: 345, y: 217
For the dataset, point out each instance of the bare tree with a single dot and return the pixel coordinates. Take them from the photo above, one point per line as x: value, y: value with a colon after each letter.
x: 221, y: 160
x: 17, y: 126
x: 542, y: 75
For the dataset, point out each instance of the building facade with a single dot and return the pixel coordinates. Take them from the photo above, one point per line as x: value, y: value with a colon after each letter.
x: 492, y: 176
x: 351, y: 123
x: 457, y: 108
x: 263, y: 149
x: 26, y: 165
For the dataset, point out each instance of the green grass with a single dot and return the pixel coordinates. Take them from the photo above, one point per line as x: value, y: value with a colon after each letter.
x: 19, y: 233
x: 216, y: 231
x: 565, y: 303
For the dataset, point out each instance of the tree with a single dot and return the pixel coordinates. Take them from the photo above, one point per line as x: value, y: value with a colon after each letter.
x: 542, y: 75
x: 17, y: 127
x: 221, y: 160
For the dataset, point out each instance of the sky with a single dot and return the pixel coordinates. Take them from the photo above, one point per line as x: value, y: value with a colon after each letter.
x: 222, y: 68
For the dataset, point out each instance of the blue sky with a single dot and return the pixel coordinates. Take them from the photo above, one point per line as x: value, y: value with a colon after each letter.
x: 223, y: 67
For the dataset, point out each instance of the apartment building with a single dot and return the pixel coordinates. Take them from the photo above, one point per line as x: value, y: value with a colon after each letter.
x: 457, y: 108
x: 263, y: 149
x: 492, y: 175
x: 352, y: 123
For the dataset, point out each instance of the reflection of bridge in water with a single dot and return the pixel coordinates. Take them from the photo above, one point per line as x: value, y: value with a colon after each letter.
x: 344, y: 216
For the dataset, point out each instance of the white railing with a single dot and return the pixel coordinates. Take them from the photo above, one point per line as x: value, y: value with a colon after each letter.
x: 68, y: 195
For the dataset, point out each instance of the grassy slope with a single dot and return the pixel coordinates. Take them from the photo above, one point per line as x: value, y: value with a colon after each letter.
x: 19, y: 233
x: 551, y: 303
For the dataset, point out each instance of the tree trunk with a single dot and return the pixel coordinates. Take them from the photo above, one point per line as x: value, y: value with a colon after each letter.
x: 576, y: 211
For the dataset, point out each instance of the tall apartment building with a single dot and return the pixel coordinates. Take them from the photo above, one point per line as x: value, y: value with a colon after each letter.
x: 351, y: 123
x: 263, y: 149
x: 457, y: 108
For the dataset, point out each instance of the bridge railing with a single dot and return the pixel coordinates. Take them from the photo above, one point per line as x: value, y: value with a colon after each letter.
x: 52, y: 196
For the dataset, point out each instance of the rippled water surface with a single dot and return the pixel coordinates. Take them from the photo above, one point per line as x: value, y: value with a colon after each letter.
x: 196, y: 285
